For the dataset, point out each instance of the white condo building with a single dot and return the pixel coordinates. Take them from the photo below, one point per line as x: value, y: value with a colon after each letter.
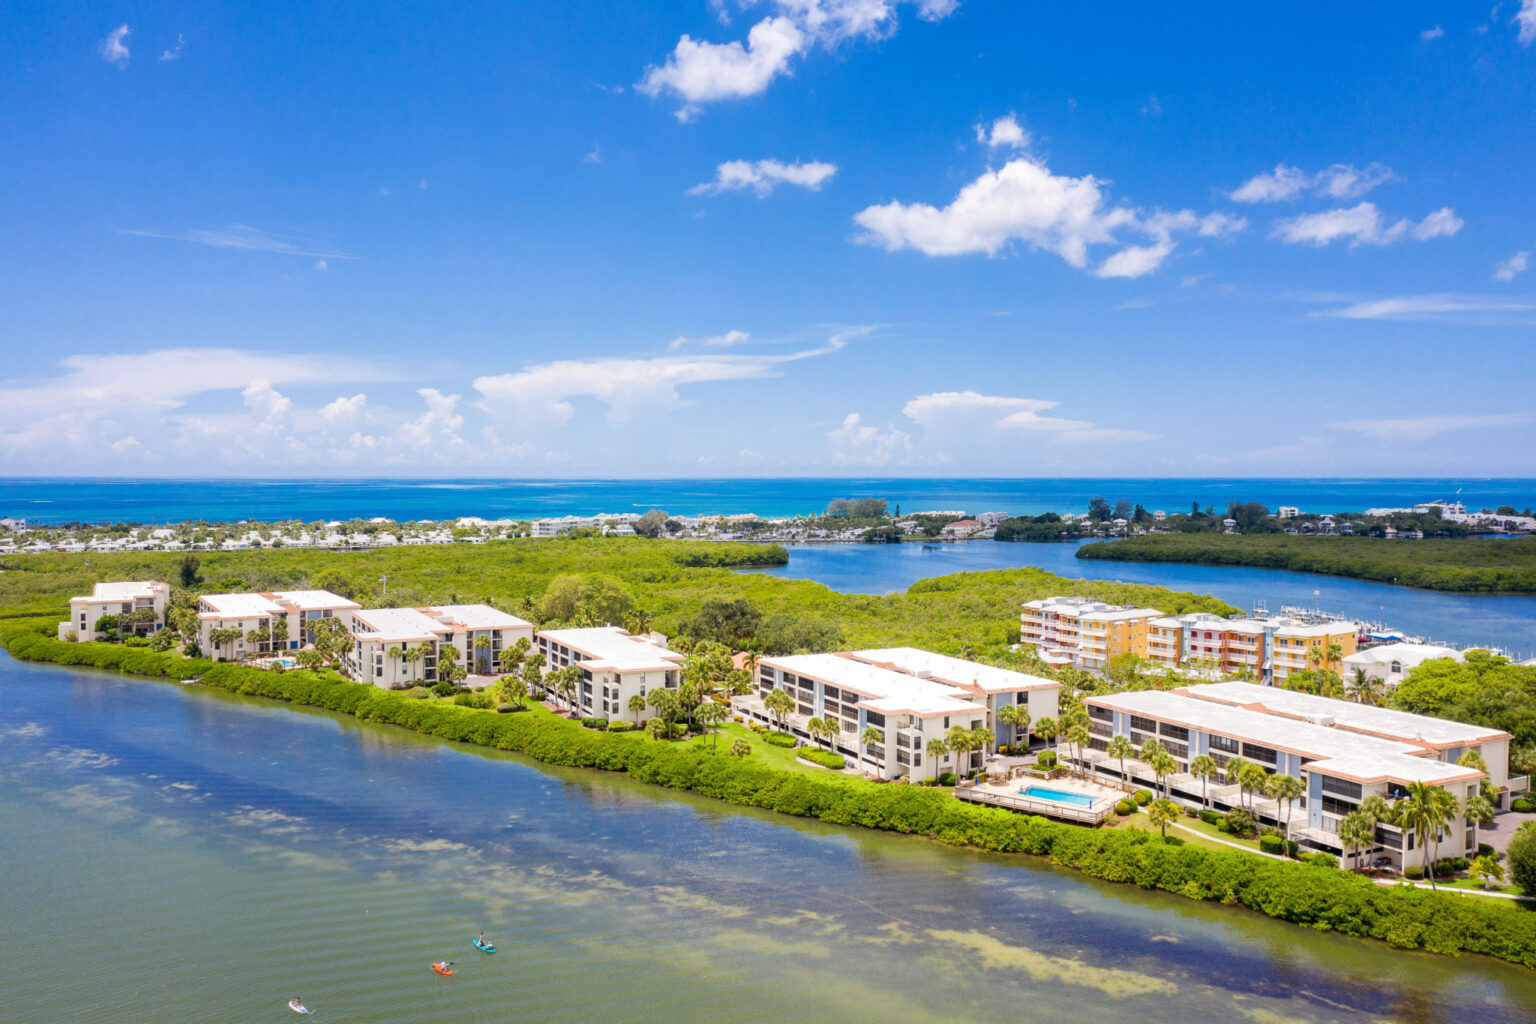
x: 120, y: 599
x: 1390, y: 664
x: 910, y: 696
x: 403, y: 647
x: 1341, y: 752
x: 297, y: 609
x: 615, y: 666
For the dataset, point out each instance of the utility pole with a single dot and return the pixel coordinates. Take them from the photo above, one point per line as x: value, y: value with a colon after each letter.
x: 383, y: 587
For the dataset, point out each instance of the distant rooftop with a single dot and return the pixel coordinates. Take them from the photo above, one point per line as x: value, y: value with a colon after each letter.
x: 958, y: 671
x: 126, y: 591
x: 880, y: 689
x: 613, y: 648
x: 396, y: 625
x: 476, y: 616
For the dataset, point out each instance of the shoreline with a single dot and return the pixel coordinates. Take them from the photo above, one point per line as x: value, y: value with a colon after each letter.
x: 1318, y: 897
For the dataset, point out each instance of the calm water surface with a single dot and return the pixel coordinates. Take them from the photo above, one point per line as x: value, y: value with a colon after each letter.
x: 175, y: 854
x: 1502, y: 620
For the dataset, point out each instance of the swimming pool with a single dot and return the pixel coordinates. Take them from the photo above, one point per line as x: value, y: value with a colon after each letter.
x: 1061, y: 796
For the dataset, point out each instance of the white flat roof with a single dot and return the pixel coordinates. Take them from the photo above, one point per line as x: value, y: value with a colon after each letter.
x: 1401, y: 652
x: 1398, y: 725
x: 1304, y: 738
x: 124, y: 591
x: 476, y: 616
x: 1367, y: 768
x: 613, y: 648
x: 312, y: 600
x: 880, y: 689
x: 241, y: 606
x: 395, y: 625
x: 960, y: 672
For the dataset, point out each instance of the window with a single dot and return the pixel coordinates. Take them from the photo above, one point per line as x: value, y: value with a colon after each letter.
x: 875, y: 718
x: 1254, y: 752
x: 1342, y: 787
x: 1397, y: 667
x: 1223, y: 744
x: 831, y: 693
x: 1102, y: 714
x: 1176, y: 732
x: 1144, y: 724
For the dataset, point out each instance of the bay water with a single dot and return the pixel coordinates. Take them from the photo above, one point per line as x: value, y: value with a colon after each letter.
x: 175, y: 854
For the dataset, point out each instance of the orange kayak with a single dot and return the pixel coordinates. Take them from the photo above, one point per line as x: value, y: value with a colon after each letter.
x: 444, y: 967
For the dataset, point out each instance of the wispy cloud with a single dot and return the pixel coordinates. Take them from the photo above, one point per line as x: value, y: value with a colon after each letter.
x: 114, y: 48
x: 1364, y: 225
x: 763, y: 176
x: 1509, y: 269
x: 246, y: 239
x: 1525, y: 18
x: 1340, y: 181
x: 1432, y: 33
x: 726, y: 340
x: 966, y: 409
x: 1420, y: 428
x: 175, y: 54
x: 628, y: 386
x: 1441, y: 306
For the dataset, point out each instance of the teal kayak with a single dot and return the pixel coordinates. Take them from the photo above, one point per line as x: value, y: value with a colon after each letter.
x: 484, y: 947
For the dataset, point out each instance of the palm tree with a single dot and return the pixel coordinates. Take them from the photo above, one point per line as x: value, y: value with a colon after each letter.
x: 710, y: 713
x: 1162, y: 812
x: 658, y: 727
x: 740, y: 747
x: 1364, y: 688
x: 1479, y: 810
x: 636, y: 706
x: 1078, y: 736
x: 1335, y: 653
x: 513, y: 689
x: 961, y: 742
x: 936, y: 749
x: 1204, y: 768
x: 1251, y: 779
x: 1015, y: 715
x: 1283, y: 789
x: 1121, y: 748
x: 482, y: 644
x: 1232, y: 769
x: 1163, y: 765
x: 1424, y: 811
x: 814, y: 726
x: 393, y: 655
x: 1047, y: 729
x: 872, y: 737
x: 567, y: 683
x: 1488, y: 869
x: 1356, y: 832
x: 1376, y: 809
x: 779, y: 704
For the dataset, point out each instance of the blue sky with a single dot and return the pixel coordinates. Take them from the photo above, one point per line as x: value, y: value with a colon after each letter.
x: 784, y: 237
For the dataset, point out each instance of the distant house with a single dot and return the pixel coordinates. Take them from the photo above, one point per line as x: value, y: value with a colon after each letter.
x: 1287, y: 512
x: 13, y: 525
x: 1389, y: 664
x: 961, y: 529
x: 1327, y: 525
x: 1229, y: 526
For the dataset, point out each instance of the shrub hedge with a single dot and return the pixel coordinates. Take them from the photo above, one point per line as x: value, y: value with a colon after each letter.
x: 779, y: 739
x: 1125, y: 808
x: 621, y: 725
x: 1142, y: 797
x: 1404, y: 916
x: 600, y: 724
x: 825, y: 758
x: 1521, y: 806
x: 1271, y: 844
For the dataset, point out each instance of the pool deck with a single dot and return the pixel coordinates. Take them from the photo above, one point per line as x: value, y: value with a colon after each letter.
x: 1007, y: 795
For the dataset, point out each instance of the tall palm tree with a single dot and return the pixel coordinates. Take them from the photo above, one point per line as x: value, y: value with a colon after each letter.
x: 1079, y: 737
x: 1479, y: 810
x: 1163, y: 765
x: 711, y: 713
x: 1376, y: 809
x: 817, y: 727
x: 872, y: 737
x: 936, y: 749
x: 961, y: 743
x: 1424, y: 811
x: 1047, y: 729
x: 1204, y: 768
x: 1015, y: 715
x: 636, y: 706
x: 1284, y: 789
x: 1356, y: 832
x: 1335, y: 653
x: 1121, y: 748
x: 1251, y: 779
x: 482, y: 644
x: 781, y: 705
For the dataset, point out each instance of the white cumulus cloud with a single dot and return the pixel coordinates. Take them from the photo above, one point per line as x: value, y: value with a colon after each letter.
x: 762, y: 176
x: 1525, y: 18
x: 699, y: 72
x: 1364, y: 225
x: 1024, y: 201
x: 1004, y: 133
x: 344, y: 409
x: 1432, y: 33
x: 114, y: 48
x: 1509, y: 269
x: 854, y: 444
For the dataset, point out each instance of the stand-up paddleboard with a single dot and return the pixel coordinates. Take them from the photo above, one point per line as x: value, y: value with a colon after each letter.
x: 296, y: 1006
x: 444, y: 967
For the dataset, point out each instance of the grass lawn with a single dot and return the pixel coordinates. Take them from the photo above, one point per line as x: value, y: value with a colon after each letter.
x: 1475, y: 883
x: 767, y: 753
x: 1208, y: 834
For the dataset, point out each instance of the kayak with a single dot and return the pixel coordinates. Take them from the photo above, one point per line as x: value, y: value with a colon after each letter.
x: 484, y: 947
x: 297, y: 1007
x: 443, y: 967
